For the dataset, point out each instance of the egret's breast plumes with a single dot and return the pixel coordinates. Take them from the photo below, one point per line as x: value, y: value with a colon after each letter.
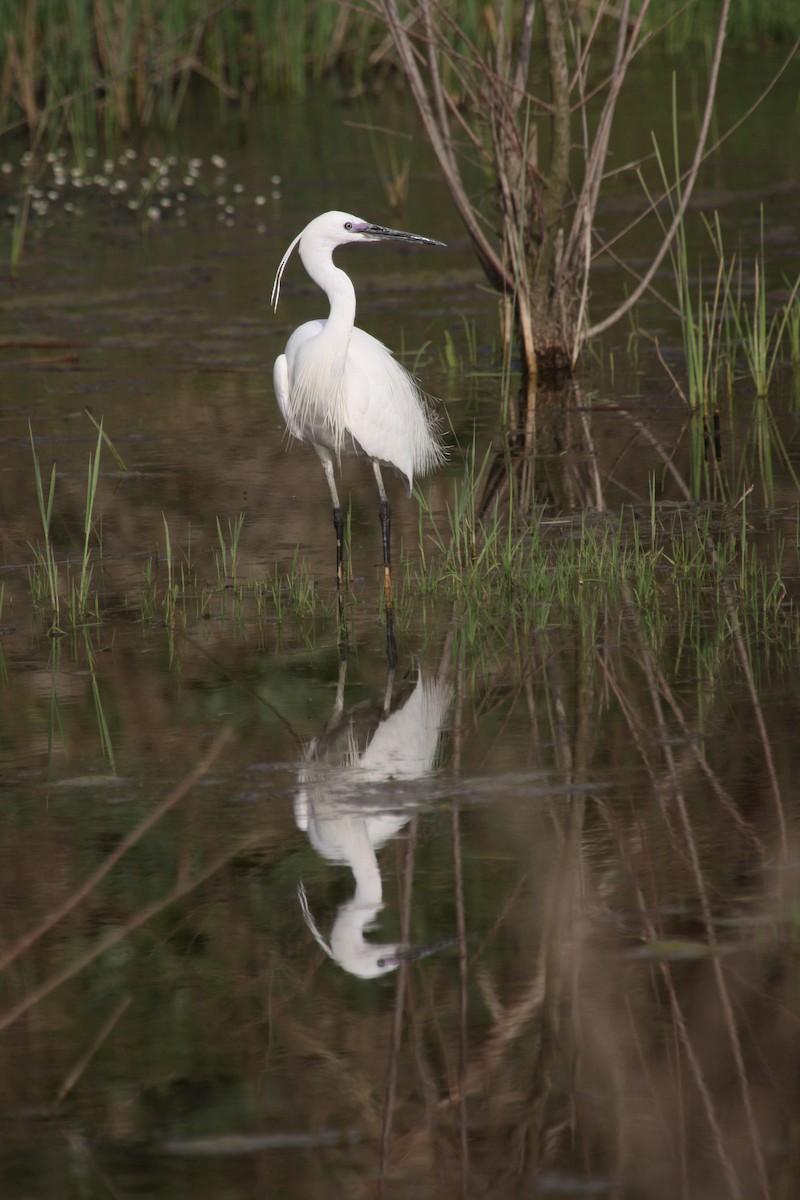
x: 359, y: 400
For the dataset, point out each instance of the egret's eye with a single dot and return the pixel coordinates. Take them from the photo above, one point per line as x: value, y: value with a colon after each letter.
x: 348, y: 224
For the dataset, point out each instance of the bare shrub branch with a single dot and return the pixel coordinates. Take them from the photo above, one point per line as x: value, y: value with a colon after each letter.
x: 535, y: 236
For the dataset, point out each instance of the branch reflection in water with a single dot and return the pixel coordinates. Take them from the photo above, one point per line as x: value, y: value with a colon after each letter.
x: 352, y: 800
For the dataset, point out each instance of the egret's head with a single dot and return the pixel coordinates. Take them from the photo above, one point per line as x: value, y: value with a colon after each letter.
x: 335, y: 228
x: 321, y: 236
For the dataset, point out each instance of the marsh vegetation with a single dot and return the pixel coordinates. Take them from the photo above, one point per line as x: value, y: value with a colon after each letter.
x: 595, y: 822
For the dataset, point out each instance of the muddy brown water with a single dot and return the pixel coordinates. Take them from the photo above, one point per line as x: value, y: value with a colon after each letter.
x: 214, y: 838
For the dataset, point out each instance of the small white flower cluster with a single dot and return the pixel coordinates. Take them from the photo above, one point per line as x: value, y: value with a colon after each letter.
x: 152, y: 188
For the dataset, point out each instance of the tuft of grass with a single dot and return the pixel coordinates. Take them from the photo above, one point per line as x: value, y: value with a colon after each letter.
x: 793, y: 332
x: 702, y: 320
x: 671, y: 564
x: 302, y: 587
x: 227, y: 556
x: 46, y: 583
x: 762, y: 335
x: 106, y: 743
x: 392, y: 168
x: 147, y: 600
x: 458, y: 540
x: 752, y: 23
x: 43, y: 574
x: 80, y: 593
x: 721, y: 327
x: 171, y: 591
x: 69, y: 63
x: 102, y: 68
x: 455, y: 360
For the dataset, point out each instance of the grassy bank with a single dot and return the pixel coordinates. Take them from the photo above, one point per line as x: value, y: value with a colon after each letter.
x: 70, y: 62
x: 753, y: 23
x: 692, y: 572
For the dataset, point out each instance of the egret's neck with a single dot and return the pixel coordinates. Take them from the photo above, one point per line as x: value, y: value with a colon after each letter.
x: 339, y: 290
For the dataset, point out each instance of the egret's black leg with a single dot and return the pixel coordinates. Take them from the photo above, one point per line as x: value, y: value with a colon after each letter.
x: 386, y: 539
x: 338, y: 525
x: 386, y: 528
x: 391, y: 645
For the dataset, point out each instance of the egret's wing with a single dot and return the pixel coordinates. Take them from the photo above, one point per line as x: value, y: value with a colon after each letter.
x: 386, y: 412
x: 294, y: 409
x: 303, y: 334
x: 280, y: 380
x: 329, y: 395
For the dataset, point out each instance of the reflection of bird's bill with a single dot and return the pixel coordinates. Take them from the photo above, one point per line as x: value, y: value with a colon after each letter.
x: 381, y: 233
x: 403, y: 954
x: 362, y: 958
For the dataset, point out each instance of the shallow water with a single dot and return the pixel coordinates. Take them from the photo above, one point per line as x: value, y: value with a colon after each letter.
x: 592, y: 820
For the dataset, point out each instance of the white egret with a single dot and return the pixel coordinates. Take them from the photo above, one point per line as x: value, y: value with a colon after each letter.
x: 341, y: 389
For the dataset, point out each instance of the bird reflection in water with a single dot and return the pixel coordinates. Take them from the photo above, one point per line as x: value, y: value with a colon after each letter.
x: 352, y: 800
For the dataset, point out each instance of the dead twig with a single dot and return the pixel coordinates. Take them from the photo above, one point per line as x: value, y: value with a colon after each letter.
x: 71, y: 901
x: 83, y: 1062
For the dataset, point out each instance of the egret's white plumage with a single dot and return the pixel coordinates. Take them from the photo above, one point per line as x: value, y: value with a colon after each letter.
x: 338, y: 387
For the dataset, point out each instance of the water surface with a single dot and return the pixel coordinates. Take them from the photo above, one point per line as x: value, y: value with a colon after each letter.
x: 591, y: 818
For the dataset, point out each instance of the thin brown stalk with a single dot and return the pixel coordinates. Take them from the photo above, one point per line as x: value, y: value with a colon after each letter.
x: 182, y: 888
x: 83, y: 1062
x: 519, y: 84
x: 90, y: 883
x: 741, y: 652
x: 582, y: 64
x: 722, y: 794
x: 401, y: 987
x: 602, y: 247
x: 463, y: 993
x: 473, y: 62
x: 558, y: 172
x: 691, y: 180
x: 461, y: 930
x: 766, y: 745
x: 595, y: 162
x: 82, y: 1158
x: 437, y: 87
x: 439, y: 143
x: 729, y: 1019
x: 145, y: 61
x: 579, y: 242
